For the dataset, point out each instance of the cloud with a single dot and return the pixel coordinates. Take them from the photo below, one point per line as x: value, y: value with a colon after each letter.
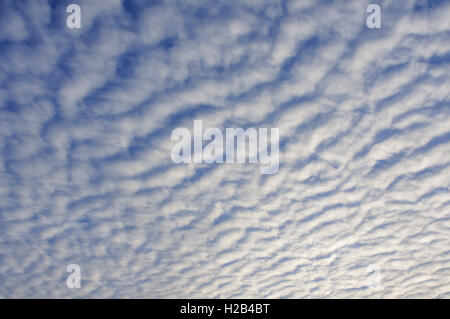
x: 86, y: 175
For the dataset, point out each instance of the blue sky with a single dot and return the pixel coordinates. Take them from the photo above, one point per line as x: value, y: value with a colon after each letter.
x: 86, y: 175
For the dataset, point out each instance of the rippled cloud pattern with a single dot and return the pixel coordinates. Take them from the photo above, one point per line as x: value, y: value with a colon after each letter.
x: 86, y: 175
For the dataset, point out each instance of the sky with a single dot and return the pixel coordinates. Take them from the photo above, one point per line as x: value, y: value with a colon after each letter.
x: 360, y: 205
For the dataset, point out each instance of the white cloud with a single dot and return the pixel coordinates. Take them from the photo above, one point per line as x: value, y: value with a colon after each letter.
x: 87, y: 178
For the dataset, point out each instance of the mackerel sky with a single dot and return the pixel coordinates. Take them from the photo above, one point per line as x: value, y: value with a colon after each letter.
x: 86, y: 176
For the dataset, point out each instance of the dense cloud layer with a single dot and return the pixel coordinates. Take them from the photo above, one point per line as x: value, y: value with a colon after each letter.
x: 86, y: 175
